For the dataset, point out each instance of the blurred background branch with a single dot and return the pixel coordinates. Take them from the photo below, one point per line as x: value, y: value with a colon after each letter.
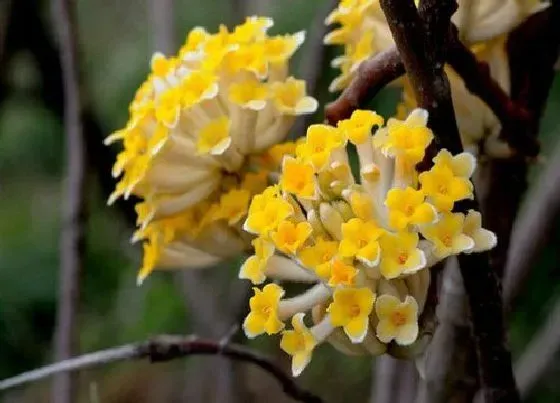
x: 165, y: 348
x: 75, y: 211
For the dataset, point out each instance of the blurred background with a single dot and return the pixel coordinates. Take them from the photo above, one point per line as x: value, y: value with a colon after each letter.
x: 117, y: 38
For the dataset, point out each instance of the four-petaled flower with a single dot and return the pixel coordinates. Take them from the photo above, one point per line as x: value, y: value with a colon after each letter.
x: 408, y: 207
x: 290, y: 237
x: 400, y: 254
x: 397, y: 320
x: 350, y: 309
x: 358, y: 128
x: 318, y: 257
x: 360, y: 240
x: 263, y: 317
x: 299, y: 343
x: 446, y: 182
x: 254, y: 267
x: 447, y: 235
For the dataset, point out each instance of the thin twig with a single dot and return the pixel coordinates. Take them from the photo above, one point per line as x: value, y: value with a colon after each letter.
x: 540, y: 354
x: 72, y: 238
x: 477, y: 78
x: 422, y: 49
x: 165, y: 348
x: 373, y: 75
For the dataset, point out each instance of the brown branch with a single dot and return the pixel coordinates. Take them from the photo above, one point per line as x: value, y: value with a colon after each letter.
x: 74, y: 213
x: 514, y: 118
x: 165, y: 348
x: 423, y: 58
x: 372, y: 76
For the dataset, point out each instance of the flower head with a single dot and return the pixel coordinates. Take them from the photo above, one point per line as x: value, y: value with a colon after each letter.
x: 355, y: 239
x: 194, y: 143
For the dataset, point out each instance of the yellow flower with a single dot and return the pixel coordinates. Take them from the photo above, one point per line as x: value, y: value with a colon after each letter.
x: 254, y: 267
x: 299, y: 343
x: 447, y: 235
x: 483, y: 239
x: 443, y: 186
x: 397, y: 320
x: 266, y: 211
x: 263, y: 317
x: 290, y: 237
x: 318, y: 257
x: 280, y: 48
x: 273, y: 157
x: 400, y: 255
x: 462, y: 165
x: 320, y: 142
x: 249, y: 94
x: 350, y: 309
x: 233, y: 205
x: 358, y: 127
x: 407, y: 207
x: 342, y: 273
x: 360, y: 240
x: 298, y: 178
x: 362, y: 205
x: 406, y: 139
x: 289, y: 97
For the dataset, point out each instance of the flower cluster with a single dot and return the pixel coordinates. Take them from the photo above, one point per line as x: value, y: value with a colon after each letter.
x: 483, y: 25
x: 365, y: 247
x: 205, y: 129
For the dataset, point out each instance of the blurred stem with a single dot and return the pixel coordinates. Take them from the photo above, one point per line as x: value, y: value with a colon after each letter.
x: 312, y: 65
x: 540, y: 355
x: 74, y: 212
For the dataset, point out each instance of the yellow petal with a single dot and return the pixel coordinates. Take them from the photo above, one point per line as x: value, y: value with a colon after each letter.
x: 386, y: 305
x: 462, y: 243
x: 357, y: 329
x: 386, y: 330
x: 407, y: 334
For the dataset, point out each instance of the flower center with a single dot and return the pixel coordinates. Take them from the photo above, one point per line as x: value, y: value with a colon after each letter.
x: 402, y: 258
x: 409, y: 210
x: 442, y: 189
x: 354, y: 311
x: 398, y: 318
x: 447, y: 240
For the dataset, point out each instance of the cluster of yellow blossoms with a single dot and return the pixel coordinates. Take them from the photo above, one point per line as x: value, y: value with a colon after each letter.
x: 364, y: 247
x: 483, y: 26
x: 203, y: 134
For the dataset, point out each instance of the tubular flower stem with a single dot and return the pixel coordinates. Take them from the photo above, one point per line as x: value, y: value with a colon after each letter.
x: 203, y: 135
x: 362, y: 30
x: 369, y: 256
